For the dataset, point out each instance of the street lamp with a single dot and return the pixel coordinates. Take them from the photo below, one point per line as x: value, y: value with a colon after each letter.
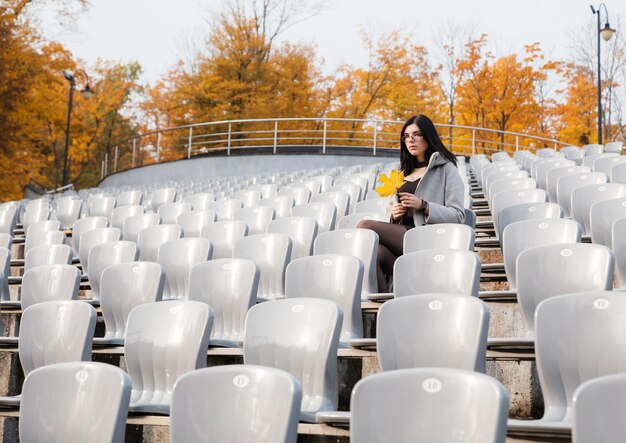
x: 606, y: 33
x: 86, y: 92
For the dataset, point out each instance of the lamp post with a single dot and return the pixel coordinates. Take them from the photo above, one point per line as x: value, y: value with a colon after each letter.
x: 87, y: 92
x: 606, y: 33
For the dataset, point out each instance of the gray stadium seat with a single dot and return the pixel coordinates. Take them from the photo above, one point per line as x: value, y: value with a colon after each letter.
x: 101, y: 207
x: 566, y: 185
x: 505, y: 175
x: 527, y: 211
x: 439, y: 236
x: 225, y: 209
x: 619, y: 248
x: 122, y: 287
x: 83, y: 225
x: 429, y: 405
x: 301, y: 230
x: 547, y: 271
x: 131, y: 197
x: 92, y: 238
x: 618, y: 173
x: 433, y: 330
x: 121, y: 213
x: 300, y: 336
x: 6, y: 241
x: 135, y: 223
x: 555, y: 174
x: 325, y: 214
x: 256, y: 218
x: 437, y: 270
x: 152, y: 237
x: 598, y: 407
x: 229, y: 286
x: 161, y: 196
x: 615, y: 147
x: 352, y: 220
x: 545, y: 167
x: 300, y: 194
x: 193, y: 222
x: 505, y: 199
x: 5, y: 273
x: 54, y: 332
x: 8, y: 219
x: 605, y: 164
x: 177, y: 258
x: 164, y: 340
x: 223, y: 235
x: 271, y: 253
x: 44, y: 238
x: 361, y: 243
x: 68, y: 211
x: 236, y: 403
x: 107, y: 254
x: 48, y: 255
x: 380, y: 205
x: 585, y: 196
x: 579, y: 337
x: 169, y: 212
x: 36, y: 210
x: 352, y: 189
x: 282, y: 205
x: 334, y: 277
x: 602, y: 216
x: 249, y: 197
x: 49, y: 282
x: 341, y: 200
x: 200, y: 201
x: 526, y: 234
x: 43, y: 225
x: 60, y: 401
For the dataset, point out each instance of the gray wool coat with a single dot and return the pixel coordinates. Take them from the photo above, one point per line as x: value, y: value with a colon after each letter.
x: 442, y: 187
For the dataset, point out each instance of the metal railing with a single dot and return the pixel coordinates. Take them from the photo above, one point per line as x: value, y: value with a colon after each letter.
x: 279, y: 135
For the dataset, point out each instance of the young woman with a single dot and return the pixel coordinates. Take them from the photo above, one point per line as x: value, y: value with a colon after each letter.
x: 432, y: 192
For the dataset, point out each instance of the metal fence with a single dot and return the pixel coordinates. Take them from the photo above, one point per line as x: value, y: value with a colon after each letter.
x: 283, y: 134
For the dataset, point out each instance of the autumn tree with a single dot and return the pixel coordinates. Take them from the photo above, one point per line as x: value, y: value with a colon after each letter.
x: 450, y: 42
x: 33, y: 106
x: 583, y: 53
x: 576, y: 113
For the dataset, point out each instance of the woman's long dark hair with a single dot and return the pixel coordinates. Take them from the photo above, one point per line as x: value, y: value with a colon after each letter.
x: 408, y: 162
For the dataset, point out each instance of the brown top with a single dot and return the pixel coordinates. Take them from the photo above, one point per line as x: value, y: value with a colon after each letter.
x: 407, y: 186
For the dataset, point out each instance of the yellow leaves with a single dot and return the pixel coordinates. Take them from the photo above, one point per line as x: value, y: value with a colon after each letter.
x: 391, y: 184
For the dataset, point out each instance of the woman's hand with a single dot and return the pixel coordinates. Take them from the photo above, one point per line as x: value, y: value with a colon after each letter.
x: 408, y: 200
x: 397, y: 211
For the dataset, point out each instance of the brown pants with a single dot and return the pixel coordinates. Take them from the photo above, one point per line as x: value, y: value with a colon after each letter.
x: 390, y: 242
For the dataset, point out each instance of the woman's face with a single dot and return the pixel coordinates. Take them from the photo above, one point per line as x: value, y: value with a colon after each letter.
x: 414, y: 141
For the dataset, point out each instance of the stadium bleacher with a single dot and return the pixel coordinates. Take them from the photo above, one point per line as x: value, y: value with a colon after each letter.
x: 260, y: 289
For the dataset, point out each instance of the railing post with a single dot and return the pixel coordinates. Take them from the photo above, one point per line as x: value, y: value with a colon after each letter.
x: 473, y: 141
x: 516, y: 143
x: 189, y: 142
x: 275, y: 134
x: 324, y: 139
x: 555, y: 146
x: 106, y: 164
x: 102, y: 170
x: 158, y: 153
x: 229, y: 134
x: 115, y: 161
x: 134, y: 151
x: 375, y: 137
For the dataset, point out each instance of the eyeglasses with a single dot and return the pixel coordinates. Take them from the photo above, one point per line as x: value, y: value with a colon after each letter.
x: 413, y: 136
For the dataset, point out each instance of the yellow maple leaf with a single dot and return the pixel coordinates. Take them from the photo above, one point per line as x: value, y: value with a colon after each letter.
x: 391, y: 184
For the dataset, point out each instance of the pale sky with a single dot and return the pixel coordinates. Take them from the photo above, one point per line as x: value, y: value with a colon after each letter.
x: 157, y: 32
